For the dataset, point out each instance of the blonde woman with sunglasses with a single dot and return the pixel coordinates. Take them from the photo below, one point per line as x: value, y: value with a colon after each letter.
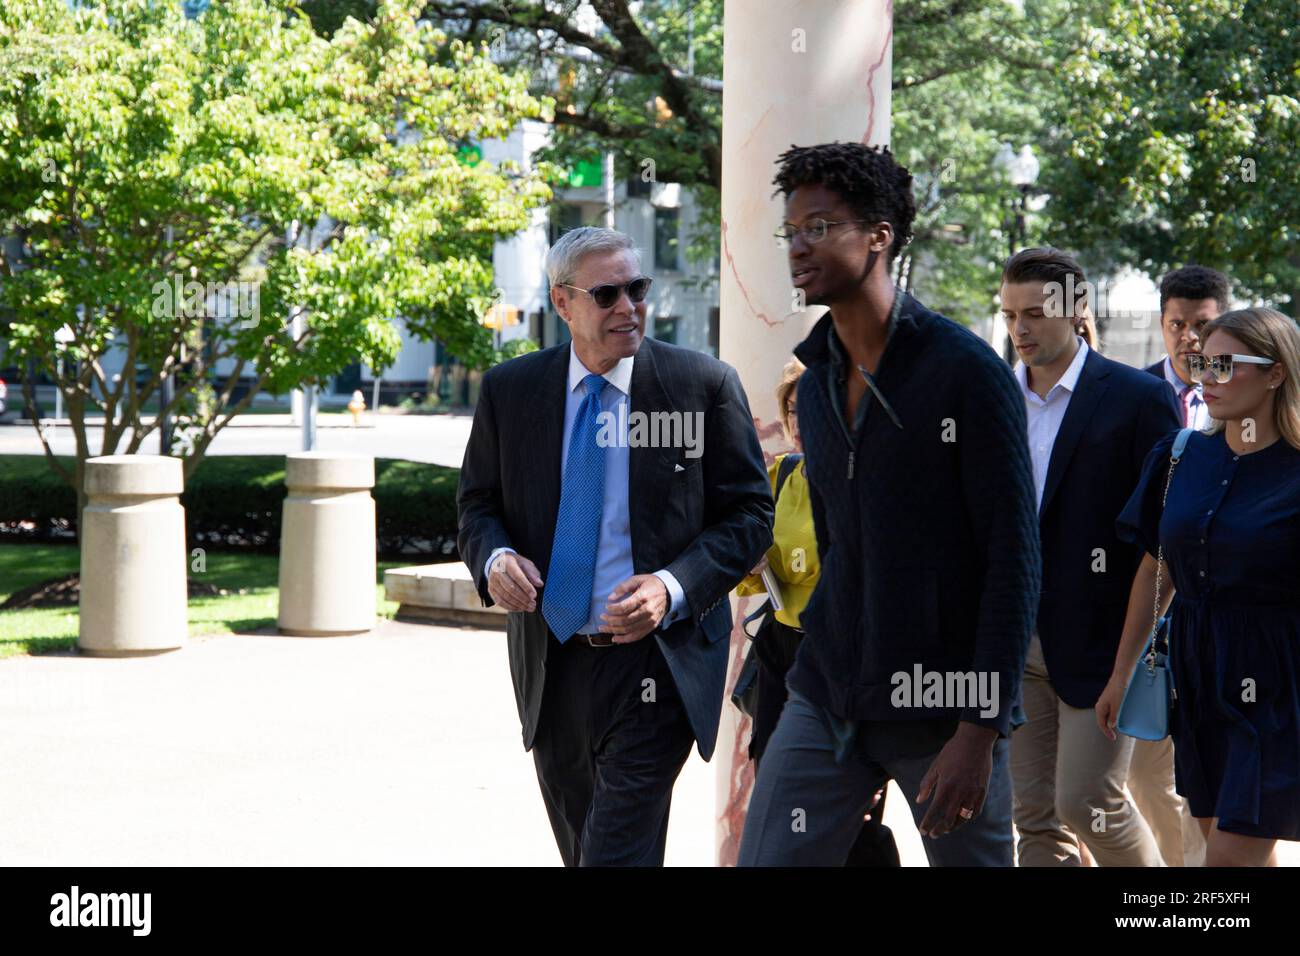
x: 1230, y: 533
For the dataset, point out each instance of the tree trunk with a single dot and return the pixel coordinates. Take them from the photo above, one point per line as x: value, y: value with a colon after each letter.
x: 80, y: 478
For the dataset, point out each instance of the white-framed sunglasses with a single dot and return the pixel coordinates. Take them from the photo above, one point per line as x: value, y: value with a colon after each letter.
x: 1221, y: 366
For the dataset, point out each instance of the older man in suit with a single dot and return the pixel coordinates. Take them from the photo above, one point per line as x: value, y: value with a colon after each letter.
x: 613, y: 490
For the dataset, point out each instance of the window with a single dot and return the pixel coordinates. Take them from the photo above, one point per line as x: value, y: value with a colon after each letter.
x: 564, y: 218
x: 666, y: 221
x: 666, y: 328
x: 638, y: 188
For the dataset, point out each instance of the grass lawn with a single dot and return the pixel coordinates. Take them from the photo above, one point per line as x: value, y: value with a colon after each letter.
x: 55, y: 628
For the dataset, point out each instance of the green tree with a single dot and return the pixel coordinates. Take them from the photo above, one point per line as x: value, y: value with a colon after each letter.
x: 643, y: 81
x: 1172, y: 129
x: 970, y: 75
x: 638, y: 80
x: 328, y: 15
x: 147, y: 160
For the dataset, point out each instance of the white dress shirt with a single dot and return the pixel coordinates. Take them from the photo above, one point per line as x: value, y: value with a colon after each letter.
x: 1046, y: 414
x: 614, y: 550
x: 1196, y: 414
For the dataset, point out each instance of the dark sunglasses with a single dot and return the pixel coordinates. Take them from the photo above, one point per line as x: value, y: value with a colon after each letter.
x: 1220, y: 366
x: 606, y: 295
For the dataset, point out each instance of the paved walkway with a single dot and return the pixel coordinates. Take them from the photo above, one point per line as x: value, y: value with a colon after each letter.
x: 397, y: 747
x: 400, y: 747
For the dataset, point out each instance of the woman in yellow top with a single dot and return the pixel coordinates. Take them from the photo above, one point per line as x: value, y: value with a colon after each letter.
x: 793, y: 560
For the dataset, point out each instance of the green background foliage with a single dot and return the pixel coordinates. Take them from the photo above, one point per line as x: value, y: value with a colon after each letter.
x: 138, y: 147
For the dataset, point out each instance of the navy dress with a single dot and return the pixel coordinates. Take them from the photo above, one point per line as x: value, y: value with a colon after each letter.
x: 1231, y: 534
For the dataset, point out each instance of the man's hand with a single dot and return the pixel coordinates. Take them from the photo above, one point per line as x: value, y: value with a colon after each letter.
x: 635, y: 608
x: 875, y: 802
x: 513, y: 582
x: 958, y: 779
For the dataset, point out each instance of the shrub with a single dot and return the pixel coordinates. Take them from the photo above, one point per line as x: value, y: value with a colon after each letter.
x: 236, y: 502
x: 31, y: 492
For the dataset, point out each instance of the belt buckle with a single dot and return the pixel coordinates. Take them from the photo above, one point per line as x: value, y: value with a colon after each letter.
x: 591, y: 642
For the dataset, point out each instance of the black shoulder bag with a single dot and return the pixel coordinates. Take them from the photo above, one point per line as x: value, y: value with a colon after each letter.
x: 742, y: 695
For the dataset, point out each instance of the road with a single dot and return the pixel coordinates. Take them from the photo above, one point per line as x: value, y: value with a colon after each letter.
x: 438, y: 439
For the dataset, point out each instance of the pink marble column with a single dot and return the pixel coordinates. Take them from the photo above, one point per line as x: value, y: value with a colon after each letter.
x: 795, y: 72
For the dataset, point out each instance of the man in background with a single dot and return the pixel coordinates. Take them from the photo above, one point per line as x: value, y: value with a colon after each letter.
x: 1189, y: 298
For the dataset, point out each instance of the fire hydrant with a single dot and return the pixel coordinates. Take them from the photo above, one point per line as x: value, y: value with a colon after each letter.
x: 356, y: 407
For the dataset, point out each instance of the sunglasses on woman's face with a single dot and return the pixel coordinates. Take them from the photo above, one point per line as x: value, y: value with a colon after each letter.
x: 1220, y: 366
x: 606, y: 295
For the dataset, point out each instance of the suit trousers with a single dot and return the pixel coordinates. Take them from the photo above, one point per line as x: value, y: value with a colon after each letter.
x: 611, y: 739
x: 1069, y: 782
x: 1151, y: 781
x: 807, y: 808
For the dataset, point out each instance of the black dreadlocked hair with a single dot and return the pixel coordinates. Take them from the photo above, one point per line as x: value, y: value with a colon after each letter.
x: 871, y: 181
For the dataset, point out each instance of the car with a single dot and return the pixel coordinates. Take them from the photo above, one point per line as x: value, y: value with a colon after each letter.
x: 4, y: 391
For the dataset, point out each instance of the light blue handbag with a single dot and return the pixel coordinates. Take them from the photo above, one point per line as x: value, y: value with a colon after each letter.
x: 1144, y: 714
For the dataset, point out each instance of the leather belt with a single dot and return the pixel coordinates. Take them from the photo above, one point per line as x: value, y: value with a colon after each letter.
x: 594, y: 640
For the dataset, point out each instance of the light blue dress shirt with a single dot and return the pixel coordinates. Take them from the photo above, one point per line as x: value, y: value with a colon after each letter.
x: 614, y: 552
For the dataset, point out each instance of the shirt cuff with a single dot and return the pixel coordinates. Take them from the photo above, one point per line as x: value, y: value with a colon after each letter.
x: 676, y: 599
x: 487, y: 568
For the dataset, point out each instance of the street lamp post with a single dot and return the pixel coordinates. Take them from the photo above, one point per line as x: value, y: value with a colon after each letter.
x: 304, y: 401
x: 1021, y: 170
x: 61, y: 340
x: 167, y: 388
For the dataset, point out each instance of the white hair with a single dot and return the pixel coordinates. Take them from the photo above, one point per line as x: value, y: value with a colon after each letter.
x: 563, y: 258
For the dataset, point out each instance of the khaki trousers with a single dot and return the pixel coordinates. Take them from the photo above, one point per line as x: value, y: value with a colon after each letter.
x: 1068, y: 783
x: 1151, y: 782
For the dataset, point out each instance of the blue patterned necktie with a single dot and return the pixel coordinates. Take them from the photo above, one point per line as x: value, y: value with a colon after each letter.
x: 566, y: 598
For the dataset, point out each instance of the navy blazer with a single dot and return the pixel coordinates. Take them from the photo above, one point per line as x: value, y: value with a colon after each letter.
x: 706, y: 519
x: 1114, y: 417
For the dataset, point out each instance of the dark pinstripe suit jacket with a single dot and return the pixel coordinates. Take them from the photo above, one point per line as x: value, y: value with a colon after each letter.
x: 707, y: 523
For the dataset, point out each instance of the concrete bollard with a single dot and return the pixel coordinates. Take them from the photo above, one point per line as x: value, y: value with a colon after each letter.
x: 327, y: 545
x: 133, y: 591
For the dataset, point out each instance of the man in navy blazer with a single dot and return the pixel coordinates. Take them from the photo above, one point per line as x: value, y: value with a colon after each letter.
x: 1189, y: 298
x: 613, y: 488
x: 1091, y: 423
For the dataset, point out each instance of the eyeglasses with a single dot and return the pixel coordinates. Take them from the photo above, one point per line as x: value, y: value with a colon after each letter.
x: 813, y: 231
x: 1220, y: 366
x: 606, y: 295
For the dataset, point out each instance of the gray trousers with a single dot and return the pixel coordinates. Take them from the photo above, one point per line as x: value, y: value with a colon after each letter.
x: 806, y: 808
